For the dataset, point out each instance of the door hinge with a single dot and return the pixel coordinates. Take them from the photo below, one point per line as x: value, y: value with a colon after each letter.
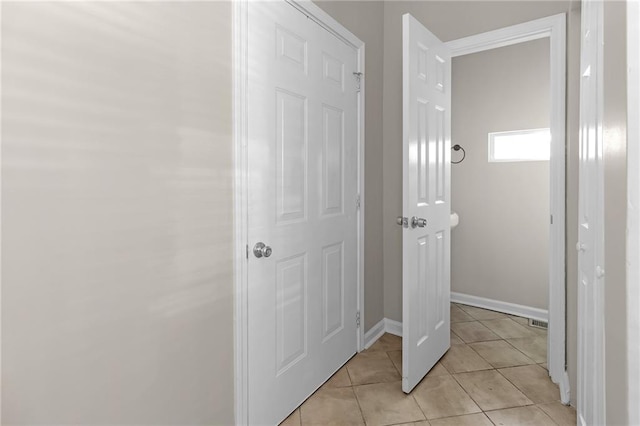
x: 359, y: 76
x: 247, y: 246
x: 358, y: 319
x: 358, y: 202
x: 552, y: 219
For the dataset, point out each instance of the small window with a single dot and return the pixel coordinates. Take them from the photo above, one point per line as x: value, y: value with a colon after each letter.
x: 520, y: 145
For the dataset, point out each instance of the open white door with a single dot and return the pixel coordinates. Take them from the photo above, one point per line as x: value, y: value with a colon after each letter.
x: 591, y: 382
x: 426, y: 171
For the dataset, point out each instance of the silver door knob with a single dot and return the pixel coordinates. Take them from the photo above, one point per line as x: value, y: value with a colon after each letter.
x: 402, y: 221
x: 418, y: 222
x: 262, y: 250
x: 581, y: 246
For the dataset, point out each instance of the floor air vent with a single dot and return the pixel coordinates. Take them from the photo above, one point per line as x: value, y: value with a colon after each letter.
x: 538, y: 323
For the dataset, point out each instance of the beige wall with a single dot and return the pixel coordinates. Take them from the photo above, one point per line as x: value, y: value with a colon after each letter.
x: 615, y: 201
x: 364, y: 19
x: 116, y: 213
x: 500, y: 249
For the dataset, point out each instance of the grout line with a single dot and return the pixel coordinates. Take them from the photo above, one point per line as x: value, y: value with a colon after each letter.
x: 516, y: 386
x: 359, y: 406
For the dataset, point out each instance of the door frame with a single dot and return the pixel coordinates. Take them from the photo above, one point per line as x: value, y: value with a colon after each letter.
x: 633, y: 211
x: 240, y: 190
x: 591, y: 384
x: 553, y: 27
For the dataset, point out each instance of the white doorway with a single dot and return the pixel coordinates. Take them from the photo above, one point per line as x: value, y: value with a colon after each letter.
x: 299, y: 150
x: 552, y: 27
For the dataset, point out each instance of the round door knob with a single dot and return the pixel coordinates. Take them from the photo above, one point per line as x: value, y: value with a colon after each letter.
x: 418, y: 222
x: 262, y: 250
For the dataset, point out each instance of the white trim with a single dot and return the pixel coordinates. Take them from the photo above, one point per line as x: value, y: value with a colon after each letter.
x: 240, y: 135
x: 591, y: 371
x: 385, y: 325
x: 374, y: 333
x: 500, y: 306
x: 565, y: 389
x: 0, y: 231
x: 240, y: 84
x: 515, y: 34
x: 553, y: 27
x: 393, y: 327
x: 633, y: 210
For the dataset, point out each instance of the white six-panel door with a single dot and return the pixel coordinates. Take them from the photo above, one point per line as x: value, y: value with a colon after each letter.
x: 302, y: 185
x: 426, y: 196
x: 591, y: 381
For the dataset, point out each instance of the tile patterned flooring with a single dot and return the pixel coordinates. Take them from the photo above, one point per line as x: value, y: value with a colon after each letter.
x: 494, y: 374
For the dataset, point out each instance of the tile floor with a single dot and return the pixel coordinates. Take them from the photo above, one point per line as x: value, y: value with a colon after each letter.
x: 494, y: 374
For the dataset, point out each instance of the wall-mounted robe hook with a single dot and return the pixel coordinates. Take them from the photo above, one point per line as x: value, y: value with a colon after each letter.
x: 457, y: 147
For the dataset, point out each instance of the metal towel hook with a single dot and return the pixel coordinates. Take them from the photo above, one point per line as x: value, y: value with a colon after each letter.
x: 457, y: 147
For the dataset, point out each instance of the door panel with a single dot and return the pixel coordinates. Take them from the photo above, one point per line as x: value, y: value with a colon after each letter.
x: 426, y: 195
x: 302, y: 162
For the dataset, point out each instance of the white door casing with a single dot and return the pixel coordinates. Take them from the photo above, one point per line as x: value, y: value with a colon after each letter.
x: 426, y: 171
x: 633, y: 213
x: 553, y: 27
x: 590, y: 246
x: 302, y: 185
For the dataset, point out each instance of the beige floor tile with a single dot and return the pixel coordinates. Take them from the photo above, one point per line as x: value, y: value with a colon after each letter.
x: 500, y: 354
x: 293, y: 419
x: 538, y: 331
x: 561, y: 414
x: 533, y: 381
x: 482, y: 314
x: 519, y: 320
x: 455, y: 340
x: 544, y: 365
x: 521, y: 416
x: 535, y: 347
x: 461, y: 358
x: 421, y: 423
x: 386, y: 404
x: 396, y: 359
x: 458, y: 315
x: 331, y: 406
x: 438, y: 370
x: 473, y: 331
x: 339, y: 380
x: 388, y: 342
x: 507, y: 328
x: 372, y: 367
x: 442, y: 396
x: 468, y: 420
x: 490, y: 390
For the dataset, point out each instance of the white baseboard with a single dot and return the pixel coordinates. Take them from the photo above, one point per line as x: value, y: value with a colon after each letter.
x: 374, y: 333
x: 393, y: 327
x: 505, y: 307
x: 390, y: 326
x: 385, y: 325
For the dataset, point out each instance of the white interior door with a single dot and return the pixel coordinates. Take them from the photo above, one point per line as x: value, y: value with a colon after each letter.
x: 302, y: 184
x: 591, y: 385
x: 426, y: 170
